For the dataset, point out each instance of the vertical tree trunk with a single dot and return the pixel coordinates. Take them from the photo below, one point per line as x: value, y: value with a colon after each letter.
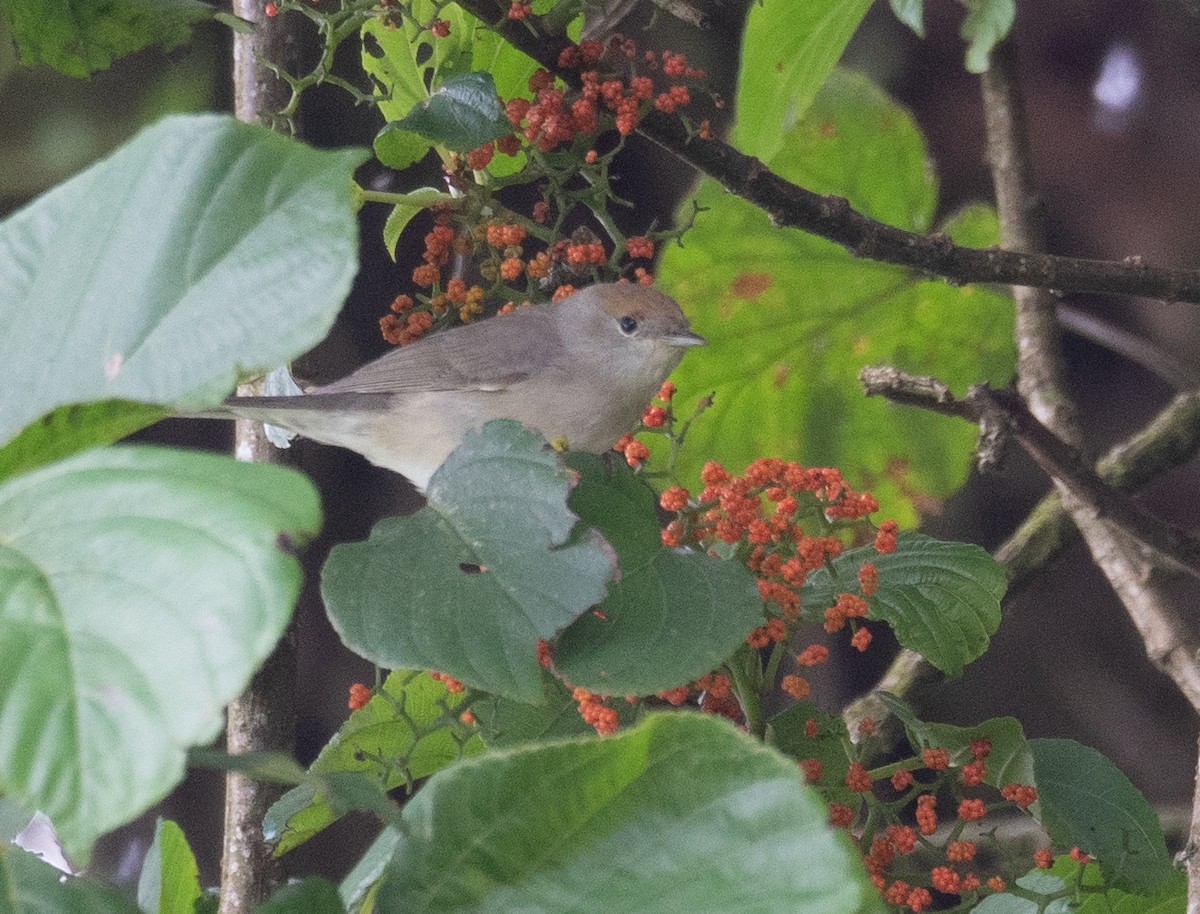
x: 264, y: 717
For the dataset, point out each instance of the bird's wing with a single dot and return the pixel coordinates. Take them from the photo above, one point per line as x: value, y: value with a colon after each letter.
x: 489, y: 355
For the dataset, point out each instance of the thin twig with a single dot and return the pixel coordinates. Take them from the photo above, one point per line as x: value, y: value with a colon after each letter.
x: 833, y: 218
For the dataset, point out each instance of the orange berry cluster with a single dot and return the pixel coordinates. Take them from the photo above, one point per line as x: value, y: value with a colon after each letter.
x: 952, y: 873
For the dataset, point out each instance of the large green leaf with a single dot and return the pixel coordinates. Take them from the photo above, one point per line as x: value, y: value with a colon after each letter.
x: 469, y: 583
x: 791, y: 319
x: 139, y: 590
x: 78, y: 37
x: 405, y: 732
x: 1086, y: 801
x: 941, y: 599
x: 202, y: 248
x: 789, y: 49
x: 682, y: 813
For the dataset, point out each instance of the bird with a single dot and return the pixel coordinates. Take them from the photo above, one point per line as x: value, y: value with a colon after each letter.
x: 579, y: 370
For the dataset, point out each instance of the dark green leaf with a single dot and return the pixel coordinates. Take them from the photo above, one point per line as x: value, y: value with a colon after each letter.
x: 941, y: 599
x: 1087, y: 802
x: 313, y: 895
x: 170, y: 880
x: 406, y: 732
x: 788, y: 51
x: 127, y: 282
x: 79, y: 37
x: 662, y: 625
x: 461, y: 114
x: 670, y: 617
x: 68, y: 429
x: 680, y: 814
x: 139, y: 590
x: 792, y: 319
x: 468, y: 584
x: 828, y: 746
x: 987, y: 23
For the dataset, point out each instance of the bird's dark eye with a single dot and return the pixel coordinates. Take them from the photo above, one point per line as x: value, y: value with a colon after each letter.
x: 627, y: 324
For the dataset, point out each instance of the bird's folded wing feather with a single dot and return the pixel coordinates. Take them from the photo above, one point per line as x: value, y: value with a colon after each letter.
x: 489, y: 355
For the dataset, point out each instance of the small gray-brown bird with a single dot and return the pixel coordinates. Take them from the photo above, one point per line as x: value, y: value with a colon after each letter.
x: 581, y: 369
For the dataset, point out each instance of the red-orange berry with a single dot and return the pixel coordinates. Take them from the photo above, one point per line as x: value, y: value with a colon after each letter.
x: 1021, y: 794
x: 1043, y: 859
x: 971, y: 810
x: 902, y: 780
x: 858, y: 778
x: 1080, y: 857
x: 868, y: 579
x: 359, y: 696
x: 861, y: 639
x: 903, y: 837
x: 936, y: 759
x: 271, y: 10
x: 927, y: 813
x: 960, y: 851
x: 945, y: 880
x: 919, y: 899
x: 812, y: 655
x: 840, y: 815
x: 996, y: 884
x: 796, y: 686
x: 812, y: 768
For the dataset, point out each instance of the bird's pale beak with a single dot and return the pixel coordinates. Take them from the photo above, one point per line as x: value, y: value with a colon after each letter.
x: 685, y: 340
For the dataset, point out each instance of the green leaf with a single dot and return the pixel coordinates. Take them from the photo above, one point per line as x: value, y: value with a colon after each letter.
x: 941, y: 599
x: 398, y: 219
x: 828, y: 746
x: 405, y: 732
x: 791, y: 319
x: 789, y: 49
x: 662, y: 625
x: 1087, y: 802
x: 139, y: 590
x: 469, y: 583
x: 391, y: 56
x: 127, y: 282
x: 170, y: 880
x: 911, y: 13
x: 29, y: 885
x: 681, y: 813
x: 670, y: 617
x: 987, y: 23
x: 68, y: 429
x: 1171, y: 898
x: 313, y: 895
x: 79, y: 37
x: 461, y: 114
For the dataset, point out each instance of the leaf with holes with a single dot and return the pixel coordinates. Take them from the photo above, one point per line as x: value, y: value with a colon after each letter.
x: 404, y: 733
x: 941, y: 599
x: 468, y: 584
